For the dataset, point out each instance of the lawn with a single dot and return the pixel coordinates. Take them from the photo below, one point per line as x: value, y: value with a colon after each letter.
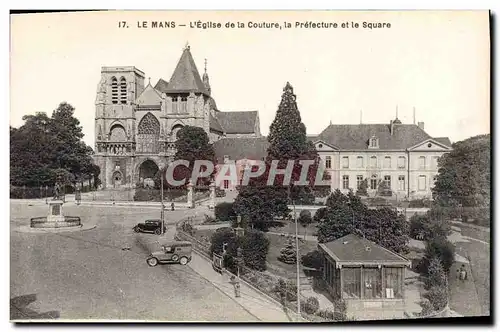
x: 289, y: 228
x: 278, y: 242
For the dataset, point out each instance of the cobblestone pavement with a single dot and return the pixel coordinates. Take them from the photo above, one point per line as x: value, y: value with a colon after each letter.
x: 101, y: 274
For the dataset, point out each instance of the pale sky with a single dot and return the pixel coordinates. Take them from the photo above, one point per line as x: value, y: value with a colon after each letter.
x: 437, y: 62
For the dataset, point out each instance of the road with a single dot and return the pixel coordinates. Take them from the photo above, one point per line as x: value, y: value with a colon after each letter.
x: 89, y: 275
x: 477, y: 251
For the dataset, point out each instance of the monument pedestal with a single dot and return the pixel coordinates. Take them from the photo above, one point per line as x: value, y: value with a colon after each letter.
x: 55, y: 215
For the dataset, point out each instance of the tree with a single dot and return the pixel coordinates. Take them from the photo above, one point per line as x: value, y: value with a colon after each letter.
x: 435, y: 274
x: 224, y: 211
x: 424, y: 227
x: 255, y: 247
x: 305, y: 219
x: 228, y: 236
x: 363, y: 188
x: 192, y: 144
x: 463, y: 183
x: 259, y: 202
x: 288, y: 254
x: 438, y: 247
x: 347, y: 214
x: 383, y: 189
x: 313, y: 259
x: 44, y: 149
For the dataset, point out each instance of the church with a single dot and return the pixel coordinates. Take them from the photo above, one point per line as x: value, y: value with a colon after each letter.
x: 136, y: 123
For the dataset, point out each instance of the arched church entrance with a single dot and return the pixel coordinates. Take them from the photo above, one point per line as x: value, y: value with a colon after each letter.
x: 175, y: 131
x: 117, y: 179
x: 147, y: 171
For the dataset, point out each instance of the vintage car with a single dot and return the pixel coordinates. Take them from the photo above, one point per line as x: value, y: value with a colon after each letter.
x: 171, y: 252
x: 149, y: 226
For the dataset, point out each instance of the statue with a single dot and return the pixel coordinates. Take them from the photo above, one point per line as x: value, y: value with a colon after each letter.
x: 101, y: 91
x: 57, y: 191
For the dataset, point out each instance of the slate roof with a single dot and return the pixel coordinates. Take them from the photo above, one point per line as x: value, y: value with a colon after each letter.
x: 186, y: 77
x: 254, y: 148
x: 150, y: 96
x: 238, y: 122
x: 443, y: 140
x: 161, y: 85
x: 214, y: 124
x: 355, y: 137
x: 352, y: 248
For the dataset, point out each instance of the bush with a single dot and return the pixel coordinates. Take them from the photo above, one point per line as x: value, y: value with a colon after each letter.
x: 363, y: 188
x: 288, y: 254
x: 424, y: 227
x: 224, y: 211
x: 147, y: 195
x: 320, y: 214
x: 305, y: 218
x: 311, y: 305
x: 439, y: 247
x: 255, y: 247
x: 420, y: 203
x: 340, y: 310
x: 326, y: 314
x: 438, y: 297
x: 221, y: 236
x: 436, y: 276
x: 286, y: 290
x: 313, y: 259
x: 322, y: 191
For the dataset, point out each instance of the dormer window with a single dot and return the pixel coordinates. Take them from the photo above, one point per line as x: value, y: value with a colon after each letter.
x: 373, y: 142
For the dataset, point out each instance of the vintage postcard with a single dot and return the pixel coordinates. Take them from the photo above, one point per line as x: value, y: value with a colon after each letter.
x: 250, y: 166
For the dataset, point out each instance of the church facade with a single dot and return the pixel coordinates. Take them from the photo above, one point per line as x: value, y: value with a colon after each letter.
x: 136, y: 124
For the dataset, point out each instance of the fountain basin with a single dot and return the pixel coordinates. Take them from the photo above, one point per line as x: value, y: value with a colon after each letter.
x: 63, y: 221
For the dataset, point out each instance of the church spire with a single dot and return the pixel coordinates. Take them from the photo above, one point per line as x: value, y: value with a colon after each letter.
x: 206, y: 80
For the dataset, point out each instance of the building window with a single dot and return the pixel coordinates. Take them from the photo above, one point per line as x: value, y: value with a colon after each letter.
x: 359, y: 180
x: 387, y: 162
x: 352, y: 282
x: 359, y: 162
x: 123, y: 90
x: 421, y: 162
x: 422, y: 181
x: 114, y: 90
x: 393, y: 288
x: 345, y: 162
x: 328, y: 162
x: 372, y: 283
x: 401, y: 182
x: 373, y: 161
x: 374, y: 142
x: 183, y: 105
x: 387, y: 180
x: 226, y: 184
x: 435, y: 163
x: 401, y: 162
x: 174, y: 105
x: 373, y: 182
x: 345, y: 181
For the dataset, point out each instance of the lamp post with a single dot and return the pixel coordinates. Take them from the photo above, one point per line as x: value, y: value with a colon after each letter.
x: 162, y: 210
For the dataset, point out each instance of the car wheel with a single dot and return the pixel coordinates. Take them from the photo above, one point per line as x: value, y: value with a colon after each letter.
x: 136, y: 229
x: 158, y: 231
x: 175, y: 258
x: 183, y: 260
x: 152, y: 261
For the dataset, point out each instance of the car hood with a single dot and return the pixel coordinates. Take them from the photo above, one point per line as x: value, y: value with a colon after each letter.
x: 157, y: 253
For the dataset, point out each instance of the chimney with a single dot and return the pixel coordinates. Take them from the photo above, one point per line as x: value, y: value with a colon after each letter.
x: 421, y: 125
x: 392, y: 127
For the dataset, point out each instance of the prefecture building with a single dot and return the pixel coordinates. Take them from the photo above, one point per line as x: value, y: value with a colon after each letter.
x: 136, y: 125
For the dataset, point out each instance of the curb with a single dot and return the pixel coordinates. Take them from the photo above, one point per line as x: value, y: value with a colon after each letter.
x: 27, y: 229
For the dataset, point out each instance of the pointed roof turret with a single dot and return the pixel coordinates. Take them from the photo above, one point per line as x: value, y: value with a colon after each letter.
x: 186, y: 77
x: 206, y: 80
